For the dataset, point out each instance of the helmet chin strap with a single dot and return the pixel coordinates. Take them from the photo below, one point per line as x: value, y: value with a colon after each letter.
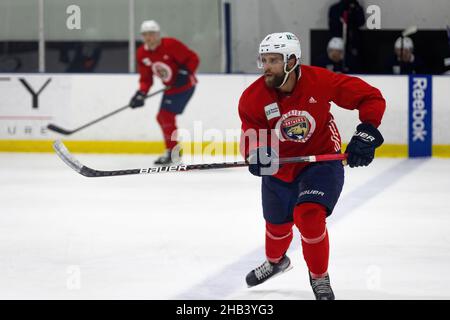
x: 286, y: 73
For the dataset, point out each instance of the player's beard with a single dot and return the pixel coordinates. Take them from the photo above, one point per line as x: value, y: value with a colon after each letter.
x: 274, y: 80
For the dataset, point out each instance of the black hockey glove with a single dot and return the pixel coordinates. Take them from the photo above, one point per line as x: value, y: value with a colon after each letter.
x: 361, y: 149
x: 182, y: 78
x: 137, y: 100
x: 261, y: 161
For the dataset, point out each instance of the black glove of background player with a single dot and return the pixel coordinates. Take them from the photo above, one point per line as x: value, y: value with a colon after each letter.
x: 182, y: 78
x: 138, y: 99
x: 361, y: 149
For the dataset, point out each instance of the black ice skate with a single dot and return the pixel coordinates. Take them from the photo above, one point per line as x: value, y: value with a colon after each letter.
x: 267, y: 270
x: 171, y: 157
x: 322, y: 288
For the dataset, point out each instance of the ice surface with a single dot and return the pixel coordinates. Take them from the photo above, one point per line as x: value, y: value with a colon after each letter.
x: 197, y: 234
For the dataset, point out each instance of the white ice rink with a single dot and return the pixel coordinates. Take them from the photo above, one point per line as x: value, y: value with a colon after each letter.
x: 196, y: 235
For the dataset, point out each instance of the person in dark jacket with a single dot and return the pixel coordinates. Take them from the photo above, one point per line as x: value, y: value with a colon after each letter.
x: 345, y: 18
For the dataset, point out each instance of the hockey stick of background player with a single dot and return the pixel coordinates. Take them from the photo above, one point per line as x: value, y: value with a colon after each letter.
x: 409, y: 31
x: 406, y: 33
x: 72, y: 162
x: 60, y: 130
x: 344, y: 21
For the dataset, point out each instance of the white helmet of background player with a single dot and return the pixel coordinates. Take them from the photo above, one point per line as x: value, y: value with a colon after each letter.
x: 336, y: 44
x: 408, y: 44
x: 284, y: 43
x: 150, y: 26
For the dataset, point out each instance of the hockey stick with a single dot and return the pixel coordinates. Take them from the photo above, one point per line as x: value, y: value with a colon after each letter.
x: 72, y: 162
x: 60, y: 130
x: 344, y: 21
x: 409, y: 31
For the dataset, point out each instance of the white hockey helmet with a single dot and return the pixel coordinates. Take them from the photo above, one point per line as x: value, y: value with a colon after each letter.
x: 150, y: 26
x: 284, y: 43
x: 335, y: 43
x: 407, y: 43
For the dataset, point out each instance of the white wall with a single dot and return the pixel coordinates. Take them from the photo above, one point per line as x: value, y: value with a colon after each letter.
x: 72, y: 100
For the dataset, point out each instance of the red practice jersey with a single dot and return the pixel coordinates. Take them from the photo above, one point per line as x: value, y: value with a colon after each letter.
x: 165, y: 62
x: 302, y: 120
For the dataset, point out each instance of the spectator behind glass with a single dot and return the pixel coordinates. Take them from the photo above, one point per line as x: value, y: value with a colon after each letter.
x: 345, y: 18
x: 333, y: 59
x: 81, y: 57
x: 404, y: 61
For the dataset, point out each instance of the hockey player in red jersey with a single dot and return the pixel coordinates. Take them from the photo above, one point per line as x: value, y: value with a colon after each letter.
x: 175, y: 64
x: 289, y: 109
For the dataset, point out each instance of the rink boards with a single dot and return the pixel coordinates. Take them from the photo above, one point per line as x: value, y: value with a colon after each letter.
x: 210, y: 123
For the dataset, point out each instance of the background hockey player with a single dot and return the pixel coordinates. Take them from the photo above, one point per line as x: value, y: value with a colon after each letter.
x: 405, y: 61
x: 293, y: 102
x: 175, y: 64
x: 333, y: 60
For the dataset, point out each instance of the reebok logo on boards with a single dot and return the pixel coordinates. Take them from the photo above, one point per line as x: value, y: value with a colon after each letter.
x: 419, y: 112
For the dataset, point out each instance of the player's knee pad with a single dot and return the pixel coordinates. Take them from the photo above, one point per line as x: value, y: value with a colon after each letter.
x: 165, y: 117
x: 310, y: 220
x: 278, y: 239
x: 279, y: 231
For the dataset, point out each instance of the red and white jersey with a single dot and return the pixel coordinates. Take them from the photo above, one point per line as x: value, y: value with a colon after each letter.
x: 302, y: 122
x: 165, y: 62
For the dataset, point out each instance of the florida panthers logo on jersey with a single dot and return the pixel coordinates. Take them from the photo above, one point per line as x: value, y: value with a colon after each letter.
x: 162, y: 70
x: 296, y: 126
x: 147, y: 62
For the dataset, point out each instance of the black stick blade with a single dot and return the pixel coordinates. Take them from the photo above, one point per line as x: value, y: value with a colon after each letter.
x: 60, y: 130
